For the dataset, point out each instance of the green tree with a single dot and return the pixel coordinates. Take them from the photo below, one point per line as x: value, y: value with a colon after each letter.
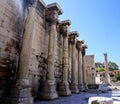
x: 100, y: 69
x: 117, y: 76
x: 113, y: 66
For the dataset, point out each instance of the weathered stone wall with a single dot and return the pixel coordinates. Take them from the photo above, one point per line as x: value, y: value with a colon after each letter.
x: 90, y: 69
x: 11, y: 28
x: 39, y: 48
x: 58, y: 56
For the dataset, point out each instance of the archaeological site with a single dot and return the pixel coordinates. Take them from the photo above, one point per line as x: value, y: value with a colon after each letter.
x: 40, y: 57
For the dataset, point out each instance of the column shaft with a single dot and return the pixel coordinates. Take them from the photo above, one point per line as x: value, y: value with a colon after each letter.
x: 65, y: 59
x: 51, y: 53
x: 107, y: 76
x: 80, y: 71
x: 83, y: 67
x: 74, y: 83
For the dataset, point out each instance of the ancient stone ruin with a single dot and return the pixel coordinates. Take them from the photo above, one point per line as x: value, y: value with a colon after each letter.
x: 39, y: 56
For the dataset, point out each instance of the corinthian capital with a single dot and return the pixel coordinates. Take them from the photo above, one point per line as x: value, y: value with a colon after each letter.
x: 64, y: 27
x: 72, y: 36
x: 79, y: 44
x: 52, y: 12
x: 84, y: 47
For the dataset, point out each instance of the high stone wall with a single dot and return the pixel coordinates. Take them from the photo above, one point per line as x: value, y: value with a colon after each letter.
x: 13, y: 24
x: 11, y: 28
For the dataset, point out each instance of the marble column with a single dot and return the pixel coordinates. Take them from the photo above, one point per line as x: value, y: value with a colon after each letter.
x: 107, y: 76
x: 49, y: 87
x: 64, y: 85
x: 74, y: 78
x: 84, y: 47
x: 80, y: 75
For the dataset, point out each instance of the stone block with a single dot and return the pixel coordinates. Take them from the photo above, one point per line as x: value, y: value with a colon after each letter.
x: 2, y: 10
x: 100, y: 100
x: 9, y: 14
x: 3, y: 31
x: 3, y: 3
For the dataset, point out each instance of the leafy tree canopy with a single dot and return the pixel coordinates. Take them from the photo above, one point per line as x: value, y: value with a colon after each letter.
x: 117, y: 76
x: 100, y: 69
x: 113, y: 66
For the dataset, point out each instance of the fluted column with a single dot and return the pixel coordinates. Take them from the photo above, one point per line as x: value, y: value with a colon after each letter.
x: 74, y: 83
x: 49, y: 87
x: 64, y: 85
x: 107, y: 76
x: 80, y: 75
x: 84, y: 47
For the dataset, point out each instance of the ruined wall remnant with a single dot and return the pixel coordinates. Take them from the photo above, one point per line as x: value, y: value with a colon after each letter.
x: 11, y: 26
x: 90, y: 69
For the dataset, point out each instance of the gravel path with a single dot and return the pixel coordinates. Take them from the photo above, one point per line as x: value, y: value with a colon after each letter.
x: 83, y: 97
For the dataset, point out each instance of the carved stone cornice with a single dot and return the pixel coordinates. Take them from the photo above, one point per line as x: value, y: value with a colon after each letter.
x: 72, y: 36
x: 55, y: 6
x: 64, y: 27
x: 52, y: 12
x: 84, y: 47
x: 79, y: 44
x: 66, y: 22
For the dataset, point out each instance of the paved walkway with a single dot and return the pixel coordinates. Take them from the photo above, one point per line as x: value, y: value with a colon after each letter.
x: 83, y: 97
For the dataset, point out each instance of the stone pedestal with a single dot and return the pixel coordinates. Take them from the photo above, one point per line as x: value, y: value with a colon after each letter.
x: 74, y: 88
x: 100, y: 100
x: 64, y: 89
x: 85, y: 87
x: 49, y: 91
x: 21, y: 93
x: 64, y: 85
x: 80, y: 87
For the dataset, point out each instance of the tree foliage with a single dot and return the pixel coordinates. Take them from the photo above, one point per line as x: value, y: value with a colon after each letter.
x: 100, y: 69
x: 113, y: 66
x: 117, y: 76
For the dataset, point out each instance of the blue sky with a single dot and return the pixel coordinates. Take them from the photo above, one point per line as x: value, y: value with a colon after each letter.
x: 98, y: 22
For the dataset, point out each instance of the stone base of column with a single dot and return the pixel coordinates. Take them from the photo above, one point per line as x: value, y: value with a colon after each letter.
x: 49, y: 90
x: 19, y: 93
x: 85, y: 87
x: 74, y: 88
x: 80, y: 87
x: 64, y: 89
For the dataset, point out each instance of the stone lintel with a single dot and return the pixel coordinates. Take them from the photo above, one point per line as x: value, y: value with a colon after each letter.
x: 80, y: 41
x: 56, y: 7
x: 84, y: 47
x: 42, y: 2
x: 74, y: 33
x: 66, y: 22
